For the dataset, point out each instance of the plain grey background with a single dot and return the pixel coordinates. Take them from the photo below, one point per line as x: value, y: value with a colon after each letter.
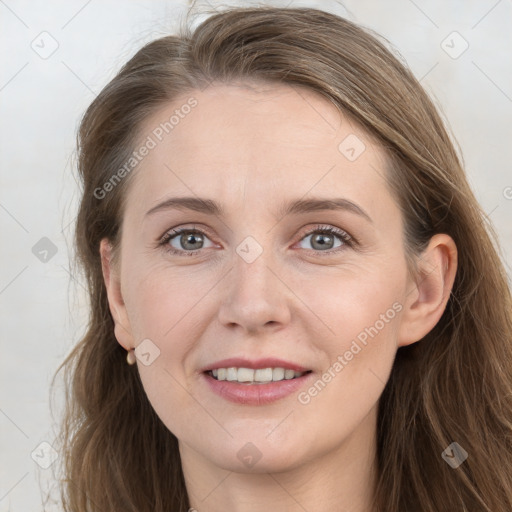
x: 56, y: 56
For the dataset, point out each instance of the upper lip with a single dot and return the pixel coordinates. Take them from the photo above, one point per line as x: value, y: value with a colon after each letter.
x: 266, y: 362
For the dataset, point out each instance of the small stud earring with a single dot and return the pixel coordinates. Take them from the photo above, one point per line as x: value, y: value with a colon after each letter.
x: 130, y: 357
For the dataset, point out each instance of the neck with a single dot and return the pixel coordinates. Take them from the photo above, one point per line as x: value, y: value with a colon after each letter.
x: 341, y: 479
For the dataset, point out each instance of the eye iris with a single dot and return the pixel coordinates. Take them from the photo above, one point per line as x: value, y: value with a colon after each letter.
x: 320, y: 238
x: 186, y: 239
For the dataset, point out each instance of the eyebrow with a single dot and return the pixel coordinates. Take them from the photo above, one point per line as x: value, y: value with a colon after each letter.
x: 211, y: 207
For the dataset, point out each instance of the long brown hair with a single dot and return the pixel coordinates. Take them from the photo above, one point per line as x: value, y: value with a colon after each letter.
x: 453, y: 385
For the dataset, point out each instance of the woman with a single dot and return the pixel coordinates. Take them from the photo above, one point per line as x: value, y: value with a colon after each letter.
x: 280, y: 241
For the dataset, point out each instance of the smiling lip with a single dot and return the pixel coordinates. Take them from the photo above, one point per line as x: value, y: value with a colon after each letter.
x: 268, y: 362
x: 255, y: 394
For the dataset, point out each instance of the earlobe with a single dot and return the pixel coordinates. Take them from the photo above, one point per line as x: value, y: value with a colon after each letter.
x: 115, y: 299
x: 426, y: 302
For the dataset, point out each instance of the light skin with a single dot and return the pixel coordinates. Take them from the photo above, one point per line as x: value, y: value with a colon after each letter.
x: 251, y: 150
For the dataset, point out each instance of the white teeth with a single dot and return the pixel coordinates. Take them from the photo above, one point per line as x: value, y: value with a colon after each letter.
x: 245, y: 375
x: 263, y: 375
x: 232, y: 374
x: 289, y: 374
x: 259, y: 376
x: 278, y: 374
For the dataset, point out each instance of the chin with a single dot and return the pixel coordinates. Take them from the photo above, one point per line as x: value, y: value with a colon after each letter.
x: 255, y: 456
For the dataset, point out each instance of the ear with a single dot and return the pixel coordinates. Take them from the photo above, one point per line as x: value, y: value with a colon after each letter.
x: 425, y: 303
x: 122, y: 329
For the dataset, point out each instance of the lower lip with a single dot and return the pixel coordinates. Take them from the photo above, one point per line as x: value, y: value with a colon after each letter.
x: 256, y: 394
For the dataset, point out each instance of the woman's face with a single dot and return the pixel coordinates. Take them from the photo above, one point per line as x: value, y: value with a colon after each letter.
x: 255, y: 276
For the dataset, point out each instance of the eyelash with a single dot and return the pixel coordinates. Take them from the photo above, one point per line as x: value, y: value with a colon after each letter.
x: 348, y: 240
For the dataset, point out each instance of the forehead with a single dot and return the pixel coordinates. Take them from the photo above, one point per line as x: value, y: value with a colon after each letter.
x: 249, y: 142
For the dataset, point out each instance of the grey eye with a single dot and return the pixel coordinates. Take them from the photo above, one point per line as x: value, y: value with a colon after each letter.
x: 188, y: 241
x: 322, y: 241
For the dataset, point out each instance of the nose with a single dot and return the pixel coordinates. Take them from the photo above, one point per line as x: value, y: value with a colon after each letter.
x: 255, y: 297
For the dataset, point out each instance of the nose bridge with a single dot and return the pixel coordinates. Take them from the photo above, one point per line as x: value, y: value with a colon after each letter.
x: 251, y: 273
x: 254, y: 296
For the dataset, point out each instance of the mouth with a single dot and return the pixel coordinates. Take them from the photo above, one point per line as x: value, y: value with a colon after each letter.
x: 246, y: 381
x: 256, y: 386
x: 255, y: 376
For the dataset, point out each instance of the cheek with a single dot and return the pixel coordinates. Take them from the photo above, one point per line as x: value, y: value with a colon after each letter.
x: 360, y: 321
x: 362, y: 304
x: 165, y: 388
x: 166, y: 307
x: 159, y: 299
x: 364, y: 316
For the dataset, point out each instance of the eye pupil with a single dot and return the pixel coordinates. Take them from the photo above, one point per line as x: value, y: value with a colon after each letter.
x: 319, y: 238
x: 186, y: 239
x: 322, y: 240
